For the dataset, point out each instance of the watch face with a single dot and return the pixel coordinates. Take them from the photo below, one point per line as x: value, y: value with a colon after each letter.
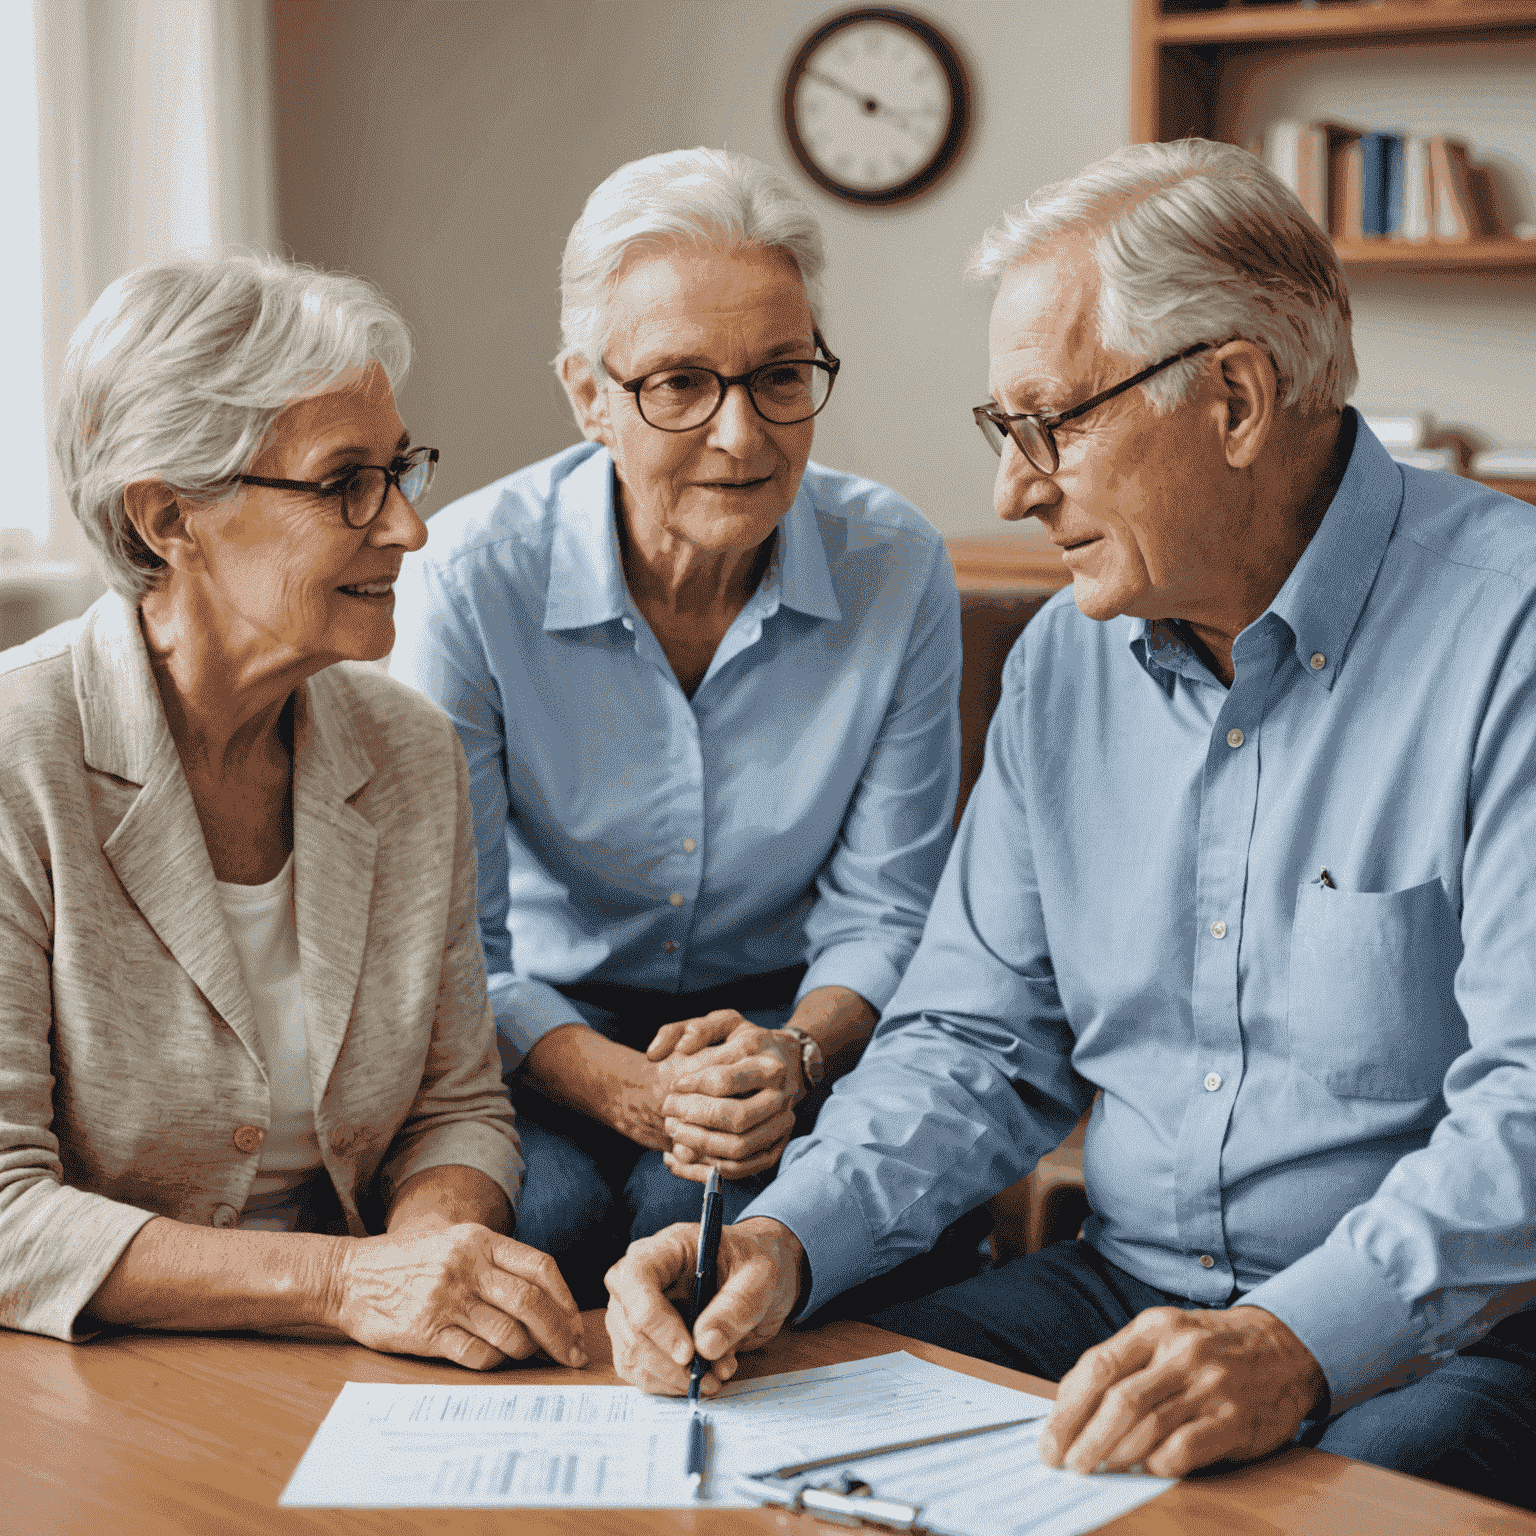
x: 876, y: 105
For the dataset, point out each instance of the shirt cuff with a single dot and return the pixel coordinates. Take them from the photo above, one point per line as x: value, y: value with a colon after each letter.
x: 862, y: 968
x: 525, y: 1012
x: 826, y: 1217
x: 1341, y: 1307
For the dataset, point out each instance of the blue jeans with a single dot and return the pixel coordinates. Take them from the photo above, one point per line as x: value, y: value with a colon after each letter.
x: 588, y: 1192
x: 1472, y: 1424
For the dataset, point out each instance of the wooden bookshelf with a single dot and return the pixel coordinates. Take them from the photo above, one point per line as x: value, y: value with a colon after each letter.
x: 1183, y: 53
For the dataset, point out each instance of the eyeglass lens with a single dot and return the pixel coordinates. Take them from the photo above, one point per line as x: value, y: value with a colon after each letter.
x: 686, y: 397
x: 1031, y: 439
x: 363, y: 499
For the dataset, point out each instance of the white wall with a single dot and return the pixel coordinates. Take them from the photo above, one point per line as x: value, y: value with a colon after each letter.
x: 444, y: 147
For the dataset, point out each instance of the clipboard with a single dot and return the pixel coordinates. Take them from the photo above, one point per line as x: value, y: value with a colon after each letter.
x: 845, y: 1499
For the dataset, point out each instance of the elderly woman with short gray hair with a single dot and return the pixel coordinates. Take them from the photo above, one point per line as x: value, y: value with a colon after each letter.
x: 247, y: 1071
x: 707, y: 690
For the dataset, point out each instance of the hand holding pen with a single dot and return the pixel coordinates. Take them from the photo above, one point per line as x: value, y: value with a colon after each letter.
x: 703, y: 1294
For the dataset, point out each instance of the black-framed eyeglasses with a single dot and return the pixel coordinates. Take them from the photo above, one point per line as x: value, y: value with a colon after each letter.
x: 364, y: 488
x: 1034, y: 433
x: 783, y: 392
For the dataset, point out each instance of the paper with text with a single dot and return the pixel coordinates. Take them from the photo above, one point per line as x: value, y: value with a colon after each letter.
x: 518, y: 1445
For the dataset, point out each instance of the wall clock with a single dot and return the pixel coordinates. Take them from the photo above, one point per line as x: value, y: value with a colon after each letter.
x: 876, y: 106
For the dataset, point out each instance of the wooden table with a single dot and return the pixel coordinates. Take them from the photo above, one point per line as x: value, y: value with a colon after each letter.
x: 143, y: 1434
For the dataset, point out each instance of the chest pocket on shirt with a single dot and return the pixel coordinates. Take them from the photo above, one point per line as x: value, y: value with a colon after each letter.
x: 1372, y: 1012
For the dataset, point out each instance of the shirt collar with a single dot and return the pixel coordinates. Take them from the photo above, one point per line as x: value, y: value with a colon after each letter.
x: 802, y: 558
x: 1323, y: 597
x: 586, y: 574
x: 1325, y: 594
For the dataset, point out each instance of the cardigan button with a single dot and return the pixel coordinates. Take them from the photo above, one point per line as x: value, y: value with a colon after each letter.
x: 249, y: 1138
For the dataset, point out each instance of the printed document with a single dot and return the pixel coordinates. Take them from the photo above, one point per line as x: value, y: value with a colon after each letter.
x: 510, y: 1446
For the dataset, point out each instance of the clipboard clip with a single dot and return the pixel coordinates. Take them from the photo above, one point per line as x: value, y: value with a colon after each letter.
x: 847, y: 1500
x: 843, y: 1501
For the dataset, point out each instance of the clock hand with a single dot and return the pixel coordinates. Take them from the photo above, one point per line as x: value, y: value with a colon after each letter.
x: 869, y: 103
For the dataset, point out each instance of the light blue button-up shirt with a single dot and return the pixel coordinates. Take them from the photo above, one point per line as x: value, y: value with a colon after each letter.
x: 796, y: 810
x: 1321, y: 1095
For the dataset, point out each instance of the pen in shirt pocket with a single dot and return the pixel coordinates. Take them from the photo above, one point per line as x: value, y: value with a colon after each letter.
x: 1326, y: 880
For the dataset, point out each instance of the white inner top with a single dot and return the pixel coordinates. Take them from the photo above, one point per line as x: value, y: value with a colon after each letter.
x: 266, y: 933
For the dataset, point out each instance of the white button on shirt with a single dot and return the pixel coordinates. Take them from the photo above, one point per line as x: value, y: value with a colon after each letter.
x: 1212, y: 1081
x: 1234, y: 737
x: 676, y: 898
x: 1218, y: 929
x: 689, y: 845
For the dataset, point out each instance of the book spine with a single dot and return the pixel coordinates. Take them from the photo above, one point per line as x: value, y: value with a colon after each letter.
x: 1374, y: 186
x: 1392, y: 184
x: 1417, y: 197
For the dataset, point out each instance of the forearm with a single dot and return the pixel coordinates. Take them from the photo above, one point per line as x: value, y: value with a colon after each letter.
x: 840, y: 1022
x: 177, y: 1276
x: 580, y: 1069
x: 447, y: 1195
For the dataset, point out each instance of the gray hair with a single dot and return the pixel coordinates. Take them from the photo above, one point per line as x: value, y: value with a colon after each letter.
x: 702, y: 197
x: 1197, y: 241
x: 179, y: 370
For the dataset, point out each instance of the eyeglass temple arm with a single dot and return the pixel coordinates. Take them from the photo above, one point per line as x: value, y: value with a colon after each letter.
x: 1130, y: 383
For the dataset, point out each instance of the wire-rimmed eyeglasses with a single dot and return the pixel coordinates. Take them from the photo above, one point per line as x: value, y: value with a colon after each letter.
x: 364, y: 488
x: 1033, y: 433
x: 784, y: 392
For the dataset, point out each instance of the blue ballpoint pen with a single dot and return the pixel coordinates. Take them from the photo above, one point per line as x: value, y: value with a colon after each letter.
x: 703, y: 1294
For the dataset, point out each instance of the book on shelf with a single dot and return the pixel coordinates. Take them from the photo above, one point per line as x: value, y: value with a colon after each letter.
x: 1381, y: 184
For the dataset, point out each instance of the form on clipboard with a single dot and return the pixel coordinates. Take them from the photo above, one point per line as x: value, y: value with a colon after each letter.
x: 846, y: 1499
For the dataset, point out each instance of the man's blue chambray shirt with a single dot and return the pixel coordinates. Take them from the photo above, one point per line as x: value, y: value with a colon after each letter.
x: 1322, y: 1097
x: 798, y: 809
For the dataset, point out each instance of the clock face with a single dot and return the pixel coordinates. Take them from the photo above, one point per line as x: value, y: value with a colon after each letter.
x: 876, y: 106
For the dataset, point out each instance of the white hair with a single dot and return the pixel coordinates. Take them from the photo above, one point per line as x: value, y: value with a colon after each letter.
x: 702, y: 197
x: 1197, y: 241
x: 180, y: 369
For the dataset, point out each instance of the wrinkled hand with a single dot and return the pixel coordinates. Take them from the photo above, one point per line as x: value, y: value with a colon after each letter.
x: 1175, y: 1391
x: 463, y: 1292
x: 634, y: 1106
x: 759, y: 1270
x: 733, y: 1091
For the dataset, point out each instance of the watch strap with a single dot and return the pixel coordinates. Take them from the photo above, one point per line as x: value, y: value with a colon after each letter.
x: 813, y: 1065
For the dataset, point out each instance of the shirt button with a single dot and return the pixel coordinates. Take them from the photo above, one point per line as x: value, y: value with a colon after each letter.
x: 249, y: 1137
x: 225, y: 1216
x: 627, y: 623
x: 1212, y: 1081
x: 669, y: 946
x: 1319, y: 661
x: 1234, y: 737
x: 1207, y: 1262
x: 1218, y: 929
x: 676, y: 898
x: 689, y: 845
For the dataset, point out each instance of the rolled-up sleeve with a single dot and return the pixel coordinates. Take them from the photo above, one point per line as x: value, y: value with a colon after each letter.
x: 968, y: 1079
x: 442, y: 654
x: 873, y: 893
x: 461, y: 1114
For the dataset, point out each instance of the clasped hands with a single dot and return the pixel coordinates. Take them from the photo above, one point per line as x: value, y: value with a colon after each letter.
x: 716, y: 1091
x: 1171, y: 1392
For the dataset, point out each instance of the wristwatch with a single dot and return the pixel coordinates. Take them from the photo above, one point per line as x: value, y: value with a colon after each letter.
x: 813, y: 1064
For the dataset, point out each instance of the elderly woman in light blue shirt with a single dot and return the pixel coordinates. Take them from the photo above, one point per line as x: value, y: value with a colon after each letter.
x: 707, y: 690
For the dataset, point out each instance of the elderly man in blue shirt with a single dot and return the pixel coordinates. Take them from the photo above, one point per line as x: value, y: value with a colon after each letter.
x: 1250, y: 870
x: 707, y: 692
